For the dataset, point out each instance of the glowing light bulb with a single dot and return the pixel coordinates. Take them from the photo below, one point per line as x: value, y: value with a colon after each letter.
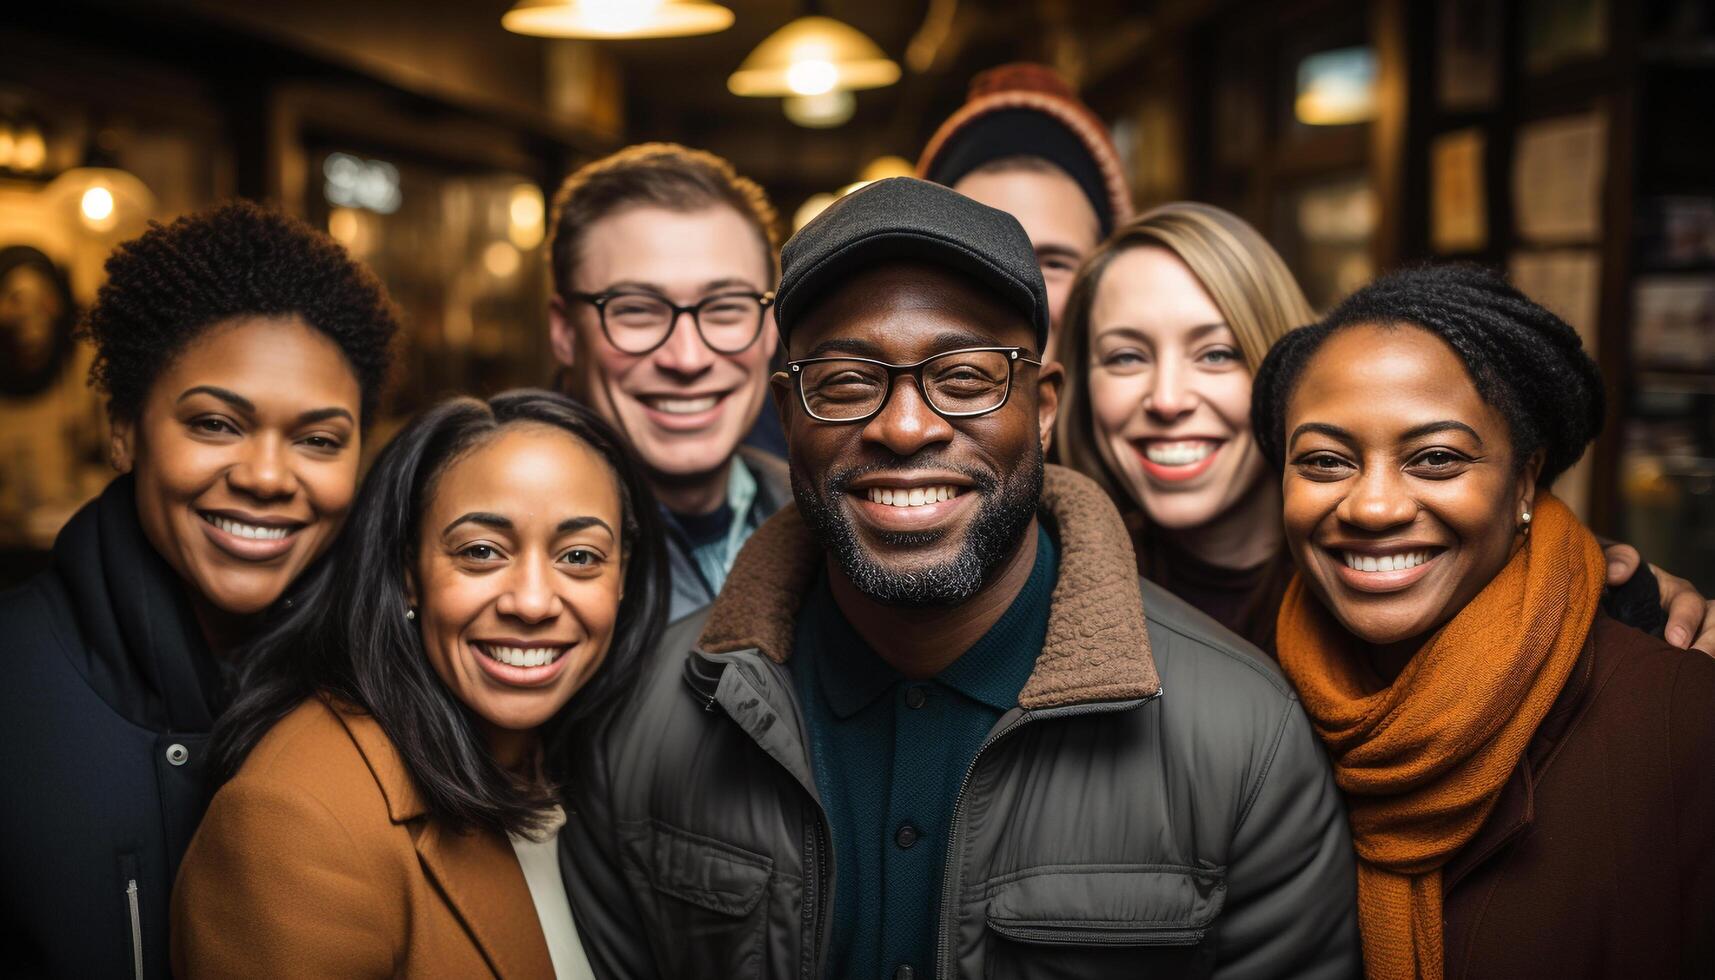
x: 812, y: 76
x: 345, y: 227
x: 501, y: 259
x: 29, y: 150
x: 96, y: 205
x: 619, y: 16
x: 823, y: 111
x: 525, y: 211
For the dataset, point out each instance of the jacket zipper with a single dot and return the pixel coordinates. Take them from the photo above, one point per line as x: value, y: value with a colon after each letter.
x: 955, y: 838
x: 136, y: 929
x: 816, y: 855
x: 815, y: 859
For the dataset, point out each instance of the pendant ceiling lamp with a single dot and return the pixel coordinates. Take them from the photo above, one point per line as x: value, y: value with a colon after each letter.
x: 812, y: 56
x: 616, y: 19
x: 824, y: 111
x: 107, y: 202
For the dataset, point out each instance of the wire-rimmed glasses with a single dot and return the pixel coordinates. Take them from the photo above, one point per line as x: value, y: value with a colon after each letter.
x: 638, y: 322
x: 956, y: 384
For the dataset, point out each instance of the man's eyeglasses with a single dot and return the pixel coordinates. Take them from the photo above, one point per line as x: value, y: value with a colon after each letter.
x: 957, y: 384
x: 638, y: 322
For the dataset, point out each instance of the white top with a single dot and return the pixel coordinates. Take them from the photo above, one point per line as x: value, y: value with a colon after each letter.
x: 540, y: 860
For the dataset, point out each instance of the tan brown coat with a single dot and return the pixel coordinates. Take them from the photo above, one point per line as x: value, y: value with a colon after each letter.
x: 319, y: 859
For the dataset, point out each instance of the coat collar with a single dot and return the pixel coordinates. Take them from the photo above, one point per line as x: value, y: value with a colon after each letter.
x: 1097, y: 647
x: 477, y: 871
x: 136, y: 636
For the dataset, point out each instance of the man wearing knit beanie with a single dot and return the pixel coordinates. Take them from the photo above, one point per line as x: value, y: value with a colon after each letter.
x: 1025, y: 144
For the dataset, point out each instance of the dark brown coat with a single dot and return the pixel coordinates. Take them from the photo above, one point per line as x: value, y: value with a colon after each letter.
x: 1599, y: 859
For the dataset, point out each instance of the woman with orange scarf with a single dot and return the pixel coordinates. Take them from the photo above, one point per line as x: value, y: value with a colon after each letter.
x: 1528, y: 781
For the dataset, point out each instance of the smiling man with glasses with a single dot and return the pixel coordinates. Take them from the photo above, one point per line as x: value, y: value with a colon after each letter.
x: 935, y: 725
x: 664, y: 267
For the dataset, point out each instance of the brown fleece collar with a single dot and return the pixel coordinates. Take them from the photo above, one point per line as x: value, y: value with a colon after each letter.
x: 1097, y: 648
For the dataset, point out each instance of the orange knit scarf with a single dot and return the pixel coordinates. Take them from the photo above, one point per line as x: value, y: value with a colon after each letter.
x: 1422, y: 762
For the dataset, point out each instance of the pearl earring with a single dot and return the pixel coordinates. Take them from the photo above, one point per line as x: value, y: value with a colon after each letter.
x: 410, y: 614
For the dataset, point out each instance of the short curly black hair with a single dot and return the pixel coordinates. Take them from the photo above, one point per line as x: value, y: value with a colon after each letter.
x: 1525, y: 361
x: 173, y: 282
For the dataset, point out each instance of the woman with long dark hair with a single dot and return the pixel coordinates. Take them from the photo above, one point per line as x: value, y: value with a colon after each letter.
x: 242, y: 355
x: 390, y: 761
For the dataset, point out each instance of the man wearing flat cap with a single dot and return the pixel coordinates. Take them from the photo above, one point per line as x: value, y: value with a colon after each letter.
x: 934, y: 725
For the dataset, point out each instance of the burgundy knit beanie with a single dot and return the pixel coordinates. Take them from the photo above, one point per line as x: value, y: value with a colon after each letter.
x: 1026, y: 109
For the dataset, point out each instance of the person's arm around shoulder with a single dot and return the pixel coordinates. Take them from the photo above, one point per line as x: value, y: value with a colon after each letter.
x: 1291, y: 906
x: 612, y: 932
x: 1690, y: 617
x: 275, y: 885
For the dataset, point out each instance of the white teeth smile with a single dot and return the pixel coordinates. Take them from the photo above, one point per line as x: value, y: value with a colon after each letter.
x: 250, y: 531
x: 683, y: 406
x: 1180, y: 453
x: 914, y: 497
x: 1385, y: 563
x: 522, y: 656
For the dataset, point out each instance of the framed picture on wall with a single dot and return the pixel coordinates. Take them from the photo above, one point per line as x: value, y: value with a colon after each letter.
x: 1458, y: 204
x: 1673, y: 323
x: 1559, y: 165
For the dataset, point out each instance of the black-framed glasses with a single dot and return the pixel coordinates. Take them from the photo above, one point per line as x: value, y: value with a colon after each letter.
x: 638, y: 322
x: 956, y: 384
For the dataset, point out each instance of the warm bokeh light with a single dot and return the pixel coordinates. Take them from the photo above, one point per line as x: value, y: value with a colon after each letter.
x: 809, y: 56
x: 813, y: 76
x: 29, y: 150
x: 813, y: 205
x: 823, y: 111
x: 882, y: 168
x: 616, y: 19
x: 344, y: 226
x: 96, y: 205
x: 501, y: 259
x: 526, y: 210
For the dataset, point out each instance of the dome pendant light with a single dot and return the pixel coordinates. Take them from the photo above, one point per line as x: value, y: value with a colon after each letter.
x: 812, y: 56
x: 824, y: 111
x: 616, y: 19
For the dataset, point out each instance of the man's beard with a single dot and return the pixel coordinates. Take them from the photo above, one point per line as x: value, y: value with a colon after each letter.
x: 1004, y: 510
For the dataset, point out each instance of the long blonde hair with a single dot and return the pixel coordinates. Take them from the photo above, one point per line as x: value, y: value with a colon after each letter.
x: 1241, y: 272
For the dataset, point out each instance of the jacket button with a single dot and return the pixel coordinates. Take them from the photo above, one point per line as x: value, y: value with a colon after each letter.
x: 914, y: 698
x: 905, y: 972
x: 906, y: 837
x: 177, y: 754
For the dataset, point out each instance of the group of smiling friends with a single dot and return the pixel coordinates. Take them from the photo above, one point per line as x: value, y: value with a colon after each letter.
x: 1291, y: 666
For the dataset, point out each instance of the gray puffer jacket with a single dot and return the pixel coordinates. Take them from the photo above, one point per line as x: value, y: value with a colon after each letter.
x: 1156, y: 805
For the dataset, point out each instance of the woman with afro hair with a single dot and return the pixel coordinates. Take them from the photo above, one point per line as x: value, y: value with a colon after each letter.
x: 242, y: 355
x: 1526, y: 778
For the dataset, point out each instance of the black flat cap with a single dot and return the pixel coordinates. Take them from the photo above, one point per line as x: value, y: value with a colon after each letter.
x: 903, y: 218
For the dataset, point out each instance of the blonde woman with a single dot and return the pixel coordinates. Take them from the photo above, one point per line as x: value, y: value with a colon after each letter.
x: 1163, y: 332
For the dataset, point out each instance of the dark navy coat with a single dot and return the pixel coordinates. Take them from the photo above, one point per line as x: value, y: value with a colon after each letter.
x: 105, y: 709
